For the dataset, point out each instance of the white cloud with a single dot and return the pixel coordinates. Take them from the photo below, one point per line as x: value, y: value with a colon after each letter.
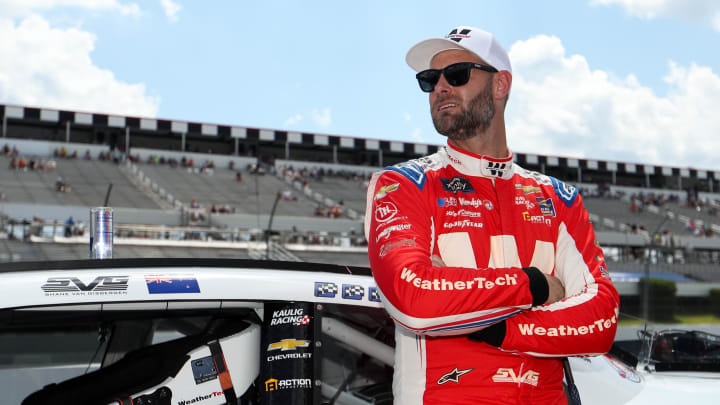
x: 293, y: 120
x: 322, y: 118
x: 416, y: 135
x: 21, y: 8
x: 560, y: 106
x: 171, y: 9
x: 703, y: 11
x: 50, y: 67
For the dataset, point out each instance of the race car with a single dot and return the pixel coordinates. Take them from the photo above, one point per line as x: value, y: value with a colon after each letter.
x: 215, y: 331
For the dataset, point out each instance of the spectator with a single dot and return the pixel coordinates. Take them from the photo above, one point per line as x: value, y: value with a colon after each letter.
x: 287, y: 196
x: 62, y: 186
x: 69, y: 227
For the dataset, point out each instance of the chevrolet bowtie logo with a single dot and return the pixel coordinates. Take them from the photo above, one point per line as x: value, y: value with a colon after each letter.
x: 288, y: 344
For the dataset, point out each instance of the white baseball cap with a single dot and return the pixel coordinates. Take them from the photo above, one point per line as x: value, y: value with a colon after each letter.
x: 481, y: 43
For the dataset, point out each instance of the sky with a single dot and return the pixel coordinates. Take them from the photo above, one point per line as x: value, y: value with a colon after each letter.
x: 624, y: 80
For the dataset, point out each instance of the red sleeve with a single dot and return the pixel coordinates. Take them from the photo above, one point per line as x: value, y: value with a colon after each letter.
x: 426, y: 299
x: 583, y: 323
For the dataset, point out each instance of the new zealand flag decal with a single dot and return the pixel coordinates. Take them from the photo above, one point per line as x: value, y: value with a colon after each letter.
x: 171, y: 285
x: 457, y: 184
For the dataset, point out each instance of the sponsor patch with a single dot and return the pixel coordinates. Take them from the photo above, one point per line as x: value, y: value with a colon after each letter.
x: 457, y: 184
x: 273, y: 384
x: 476, y: 203
x: 289, y: 356
x: 566, y: 192
x: 464, y: 213
x: 447, y: 202
x: 373, y: 294
x: 385, y: 249
x: 530, y: 329
x: 496, y: 169
x: 441, y: 284
x: 384, y: 190
x: 508, y: 375
x: 161, y: 284
x: 353, y: 292
x: 412, y: 171
x: 536, y: 219
x: 203, y: 369
x: 385, y: 211
x: 390, y: 221
x: 465, y: 223
x: 325, y: 290
x: 294, y: 316
x: 288, y: 344
x: 199, y: 398
x: 100, y: 285
x: 390, y: 229
x: 527, y: 189
x: 453, y: 376
x: 520, y: 200
x: 546, y: 206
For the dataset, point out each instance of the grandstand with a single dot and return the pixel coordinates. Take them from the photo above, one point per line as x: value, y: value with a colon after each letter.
x: 183, y: 189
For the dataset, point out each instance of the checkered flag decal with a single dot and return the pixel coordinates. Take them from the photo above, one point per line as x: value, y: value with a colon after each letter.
x: 304, y: 321
x: 327, y: 290
x: 353, y: 292
x: 374, y: 294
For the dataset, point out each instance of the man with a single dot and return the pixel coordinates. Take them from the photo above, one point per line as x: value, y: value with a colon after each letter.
x: 471, y: 252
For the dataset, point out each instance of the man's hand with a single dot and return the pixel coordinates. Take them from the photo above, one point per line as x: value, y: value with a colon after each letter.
x: 556, y: 291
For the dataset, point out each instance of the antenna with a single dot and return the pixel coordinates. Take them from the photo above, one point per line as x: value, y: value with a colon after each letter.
x: 107, y: 195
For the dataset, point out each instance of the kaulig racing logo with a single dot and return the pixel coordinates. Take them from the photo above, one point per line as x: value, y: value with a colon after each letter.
x: 292, y: 315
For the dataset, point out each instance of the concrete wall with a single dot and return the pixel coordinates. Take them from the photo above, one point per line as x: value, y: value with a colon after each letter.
x: 62, y: 212
x: 46, y: 148
x: 286, y: 223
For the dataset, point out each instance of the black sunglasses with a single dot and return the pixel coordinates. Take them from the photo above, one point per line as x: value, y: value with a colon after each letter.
x: 456, y: 74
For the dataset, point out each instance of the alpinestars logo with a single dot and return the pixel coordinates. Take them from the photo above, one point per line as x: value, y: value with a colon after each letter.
x: 457, y: 36
x: 453, y: 376
x: 496, y: 168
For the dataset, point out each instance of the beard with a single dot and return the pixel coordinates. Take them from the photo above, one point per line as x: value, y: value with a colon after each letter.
x: 469, y: 121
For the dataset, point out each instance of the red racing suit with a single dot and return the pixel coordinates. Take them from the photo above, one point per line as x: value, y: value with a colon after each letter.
x: 487, y: 219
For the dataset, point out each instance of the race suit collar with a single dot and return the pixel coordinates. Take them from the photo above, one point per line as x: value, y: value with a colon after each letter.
x: 476, y: 165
